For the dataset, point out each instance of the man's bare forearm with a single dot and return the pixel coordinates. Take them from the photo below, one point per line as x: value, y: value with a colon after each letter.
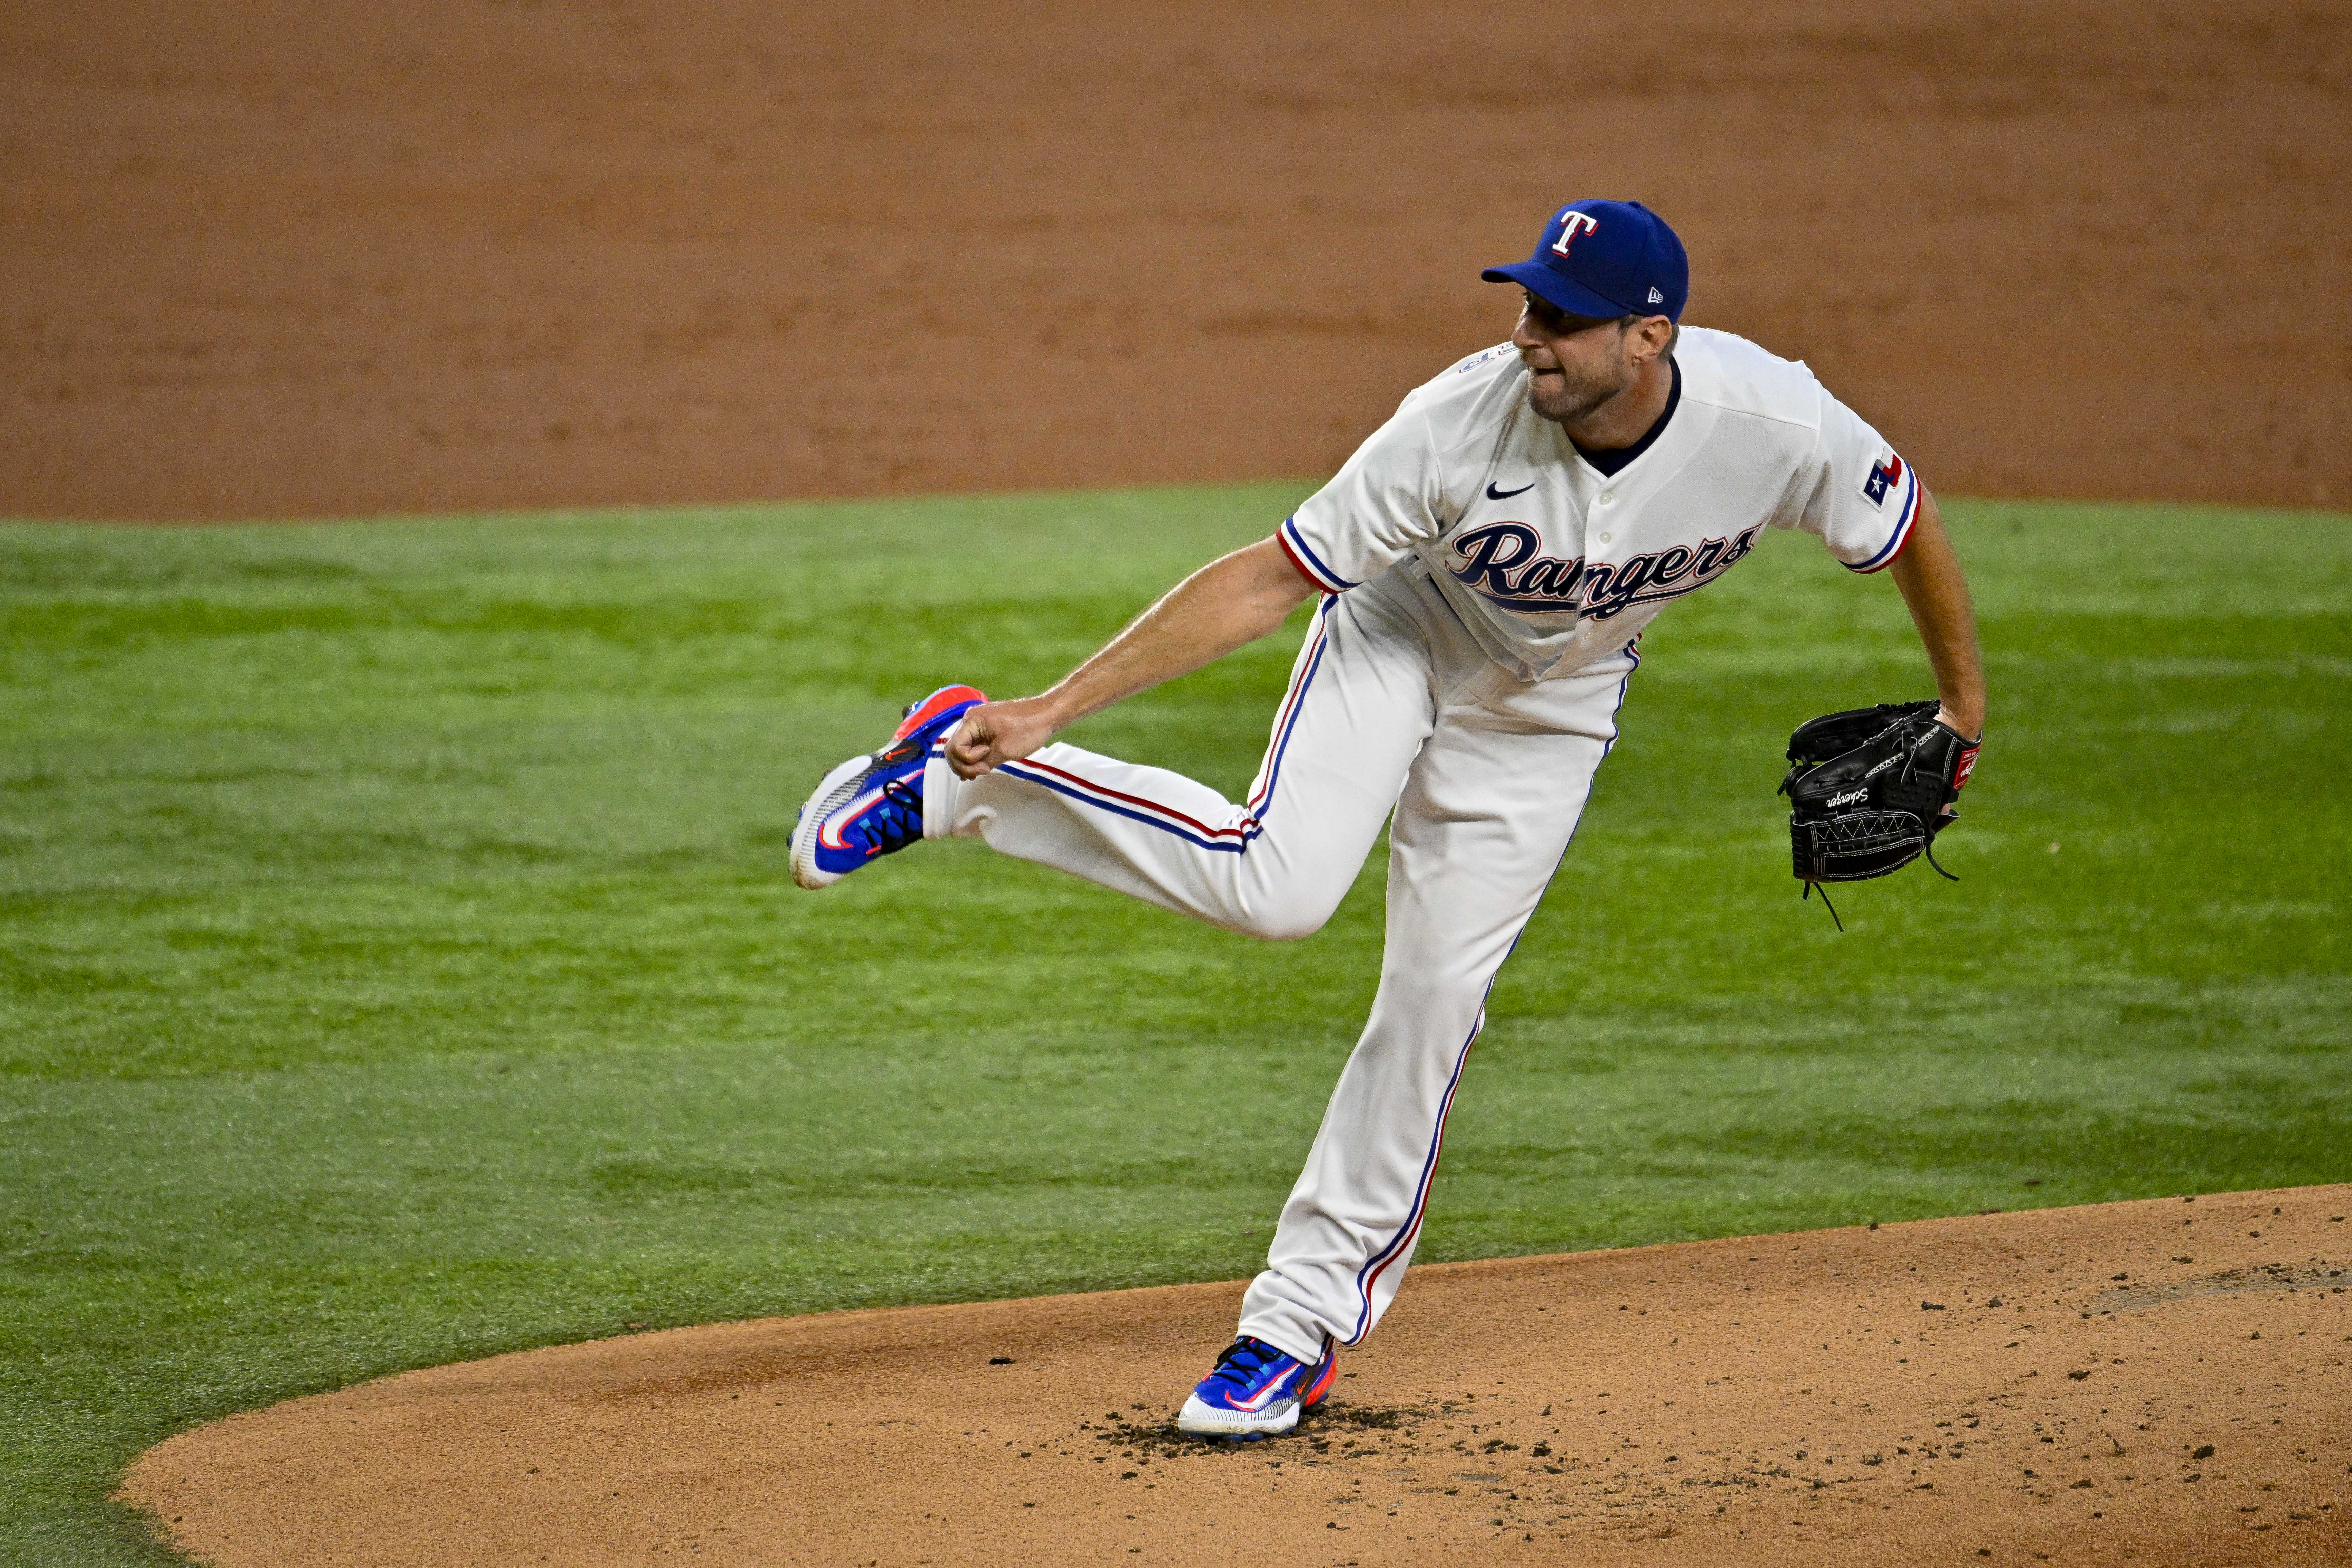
x: 1928, y: 574
x: 1234, y: 600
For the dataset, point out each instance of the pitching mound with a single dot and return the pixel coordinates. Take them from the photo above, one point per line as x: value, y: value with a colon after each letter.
x: 2163, y: 1382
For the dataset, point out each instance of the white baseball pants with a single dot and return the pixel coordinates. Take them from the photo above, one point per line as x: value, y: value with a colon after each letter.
x: 1390, y: 705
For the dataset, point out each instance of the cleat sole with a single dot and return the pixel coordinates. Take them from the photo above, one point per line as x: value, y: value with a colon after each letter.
x: 931, y: 707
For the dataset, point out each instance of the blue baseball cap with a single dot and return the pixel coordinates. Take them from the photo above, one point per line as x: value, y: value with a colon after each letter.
x: 1605, y: 259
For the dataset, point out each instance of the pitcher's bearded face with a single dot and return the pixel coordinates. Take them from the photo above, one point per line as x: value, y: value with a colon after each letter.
x: 1571, y: 392
x: 1575, y: 363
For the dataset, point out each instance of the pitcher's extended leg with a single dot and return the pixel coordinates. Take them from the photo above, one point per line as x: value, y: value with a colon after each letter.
x: 1360, y: 701
x: 1485, y: 818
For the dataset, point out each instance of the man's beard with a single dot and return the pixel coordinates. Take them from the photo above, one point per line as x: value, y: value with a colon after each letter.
x: 1571, y: 398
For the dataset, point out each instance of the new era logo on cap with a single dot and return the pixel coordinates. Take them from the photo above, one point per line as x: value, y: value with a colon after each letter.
x: 1605, y: 259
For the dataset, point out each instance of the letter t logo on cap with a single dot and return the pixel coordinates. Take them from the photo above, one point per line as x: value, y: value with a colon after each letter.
x: 1572, y: 225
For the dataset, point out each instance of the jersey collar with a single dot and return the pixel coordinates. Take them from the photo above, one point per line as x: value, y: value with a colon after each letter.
x: 1614, y: 460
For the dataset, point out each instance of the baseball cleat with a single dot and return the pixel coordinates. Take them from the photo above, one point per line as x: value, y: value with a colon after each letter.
x: 1256, y: 1392
x: 872, y: 805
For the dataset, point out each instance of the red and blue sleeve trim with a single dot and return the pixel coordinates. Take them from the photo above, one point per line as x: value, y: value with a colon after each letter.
x: 1906, y: 515
x: 1309, y: 564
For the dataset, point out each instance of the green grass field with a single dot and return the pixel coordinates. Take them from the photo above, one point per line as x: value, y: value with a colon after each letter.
x: 398, y: 963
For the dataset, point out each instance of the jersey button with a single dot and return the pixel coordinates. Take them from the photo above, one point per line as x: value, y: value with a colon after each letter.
x: 1608, y: 498
x: 1607, y: 537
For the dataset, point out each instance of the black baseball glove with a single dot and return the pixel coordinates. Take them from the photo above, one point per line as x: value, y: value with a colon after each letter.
x: 1870, y: 788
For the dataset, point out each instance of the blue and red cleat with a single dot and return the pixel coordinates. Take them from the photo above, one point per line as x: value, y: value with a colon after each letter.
x: 1256, y: 1392
x: 872, y: 805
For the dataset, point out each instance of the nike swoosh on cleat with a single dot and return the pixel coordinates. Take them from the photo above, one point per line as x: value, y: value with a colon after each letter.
x: 1259, y: 1400
x: 828, y: 833
x: 1493, y: 494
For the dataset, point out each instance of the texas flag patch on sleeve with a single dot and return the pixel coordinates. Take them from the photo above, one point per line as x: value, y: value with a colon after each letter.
x: 1885, y: 475
x: 1888, y: 479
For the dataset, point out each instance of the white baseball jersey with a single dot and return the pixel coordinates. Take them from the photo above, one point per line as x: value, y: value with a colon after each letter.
x: 1553, y: 564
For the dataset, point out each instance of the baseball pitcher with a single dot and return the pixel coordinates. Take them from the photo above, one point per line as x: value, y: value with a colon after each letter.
x: 1483, y: 568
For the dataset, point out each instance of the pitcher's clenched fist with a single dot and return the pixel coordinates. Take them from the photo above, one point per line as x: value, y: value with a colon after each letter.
x: 997, y: 732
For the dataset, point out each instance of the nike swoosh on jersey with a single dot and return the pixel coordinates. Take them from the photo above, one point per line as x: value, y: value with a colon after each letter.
x: 1493, y: 494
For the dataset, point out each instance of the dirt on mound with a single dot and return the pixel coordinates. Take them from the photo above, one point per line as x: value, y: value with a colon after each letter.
x: 2167, y: 1381
x: 272, y: 258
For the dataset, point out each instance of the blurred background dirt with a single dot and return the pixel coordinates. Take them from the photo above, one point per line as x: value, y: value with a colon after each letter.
x: 266, y: 258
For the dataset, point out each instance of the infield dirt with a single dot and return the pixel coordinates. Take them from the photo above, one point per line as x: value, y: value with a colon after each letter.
x: 269, y: 257
x: 2166, y: 1383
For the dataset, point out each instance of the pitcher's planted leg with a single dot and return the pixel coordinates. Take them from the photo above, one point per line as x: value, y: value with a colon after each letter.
x: 1490, y: 808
